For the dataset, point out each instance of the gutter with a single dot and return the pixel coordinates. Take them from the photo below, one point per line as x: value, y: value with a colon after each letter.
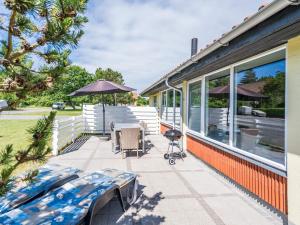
x: 249, y: 23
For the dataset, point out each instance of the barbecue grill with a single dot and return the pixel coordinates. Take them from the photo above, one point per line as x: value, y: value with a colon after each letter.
x: 173, y: 136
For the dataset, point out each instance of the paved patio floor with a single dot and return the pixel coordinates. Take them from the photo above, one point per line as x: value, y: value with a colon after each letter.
x: 188, y: 193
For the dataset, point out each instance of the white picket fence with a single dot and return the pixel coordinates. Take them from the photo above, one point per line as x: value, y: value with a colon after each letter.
x: 65, y: 132
x: 93, y: 117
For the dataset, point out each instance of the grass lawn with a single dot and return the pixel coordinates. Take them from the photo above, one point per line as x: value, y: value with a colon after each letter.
x: 14, y: 132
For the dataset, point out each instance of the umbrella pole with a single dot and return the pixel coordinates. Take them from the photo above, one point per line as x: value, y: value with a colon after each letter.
x: 103, y: 114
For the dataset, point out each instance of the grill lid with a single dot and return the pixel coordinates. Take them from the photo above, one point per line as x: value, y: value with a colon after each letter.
x: 173, y: 134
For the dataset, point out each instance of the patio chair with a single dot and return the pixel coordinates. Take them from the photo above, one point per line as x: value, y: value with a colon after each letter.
x: 143, y: 124
x: 129, y: 140
x: 112, y: 134
x: 48, y: 178
x: 78, y: 201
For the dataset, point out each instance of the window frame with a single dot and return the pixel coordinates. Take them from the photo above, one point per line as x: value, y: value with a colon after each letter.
x: 230, y: 146
x: 165, y: 121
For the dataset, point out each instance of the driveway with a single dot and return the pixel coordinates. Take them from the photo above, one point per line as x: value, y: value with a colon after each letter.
x: 26, y: 117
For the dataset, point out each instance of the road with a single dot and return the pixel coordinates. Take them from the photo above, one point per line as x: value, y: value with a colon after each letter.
x: 27, y: 117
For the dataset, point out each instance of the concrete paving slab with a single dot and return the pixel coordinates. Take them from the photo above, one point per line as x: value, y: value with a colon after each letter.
x: 205, y: 183
x: 166, y: 183
x: 237, y: 211
x: 154, y: 165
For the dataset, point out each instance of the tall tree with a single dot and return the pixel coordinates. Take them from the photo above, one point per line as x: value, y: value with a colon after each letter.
x: 117, y: 77
x: 275, y: 90
x: 42, y: 31
x: 110, y: 75
x: 249, y: 77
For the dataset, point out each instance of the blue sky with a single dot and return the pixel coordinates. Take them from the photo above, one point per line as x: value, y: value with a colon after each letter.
x: 144, y: 39
x: 268, y: 70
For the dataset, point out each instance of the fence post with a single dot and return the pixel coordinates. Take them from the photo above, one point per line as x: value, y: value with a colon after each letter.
x: 55, y: 138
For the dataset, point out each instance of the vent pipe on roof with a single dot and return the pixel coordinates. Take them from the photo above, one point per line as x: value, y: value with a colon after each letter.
x: 194, y: 46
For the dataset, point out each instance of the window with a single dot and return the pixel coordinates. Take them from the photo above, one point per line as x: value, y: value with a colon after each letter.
x: 177, y: 108
x: 194, y: 113
x: 163, y: 106
x: 259, y: 103
x: 167, y: 107
x: 170, y: 109
x: 155, y: 101
x: 217, y: 106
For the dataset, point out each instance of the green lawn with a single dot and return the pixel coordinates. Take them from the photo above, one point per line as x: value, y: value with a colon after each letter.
x: 14, y: 132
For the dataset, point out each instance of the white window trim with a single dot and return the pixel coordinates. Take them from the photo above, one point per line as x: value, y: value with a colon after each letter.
x: 166, y: 122
x: 230, y: 146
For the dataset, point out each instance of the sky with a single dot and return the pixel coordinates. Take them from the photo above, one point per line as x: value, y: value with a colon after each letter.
x: 145, y: 39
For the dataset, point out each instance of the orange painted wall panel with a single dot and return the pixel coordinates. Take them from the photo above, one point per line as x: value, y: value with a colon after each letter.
x: 265, y: 184
x: 164, y: 128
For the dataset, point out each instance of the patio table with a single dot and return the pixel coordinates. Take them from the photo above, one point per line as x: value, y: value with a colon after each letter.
x: 119, y: 126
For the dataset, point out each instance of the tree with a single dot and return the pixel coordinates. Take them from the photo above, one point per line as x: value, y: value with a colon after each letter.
x: 249, y: 77
x: 38, y: 30
x: 275, y: 90
x: 110, y: 75
x: 141, y: 101
x: 75, y: 77
x: 37, y: 151
x: 116, y: 77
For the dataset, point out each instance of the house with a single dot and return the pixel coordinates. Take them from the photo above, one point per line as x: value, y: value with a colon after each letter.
x: 260, y: 154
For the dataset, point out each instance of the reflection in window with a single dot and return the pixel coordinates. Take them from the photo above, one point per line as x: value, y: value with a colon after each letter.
x: 155, y: 101
x: 163, y: 106
x: 194, y: 106
x: 170, y: 109
x: 217, y: 107
x: 177, y: 108
x: 260, y: 107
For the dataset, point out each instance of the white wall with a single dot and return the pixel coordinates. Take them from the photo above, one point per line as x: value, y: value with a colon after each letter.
x: 293, y: 125
x: 92, y: 115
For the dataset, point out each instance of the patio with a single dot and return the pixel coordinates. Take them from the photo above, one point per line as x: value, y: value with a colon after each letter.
x: 188, y: 193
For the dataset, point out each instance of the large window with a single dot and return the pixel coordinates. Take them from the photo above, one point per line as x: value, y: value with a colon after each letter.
x: 259, y: 116
x: 164, y: 106
x: 243, y: 108
x: 177, y: 108
x: 217, y: 107
x: 155, y: 101
x: 170, y: 108
x: 194, y: 113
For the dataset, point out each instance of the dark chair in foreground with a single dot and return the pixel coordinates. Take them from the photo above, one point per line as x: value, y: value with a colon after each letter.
x: 78, y: 201
x: 48, y: 178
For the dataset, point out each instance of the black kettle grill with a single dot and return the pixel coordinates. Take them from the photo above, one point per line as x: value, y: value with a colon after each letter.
x: 174, y: 137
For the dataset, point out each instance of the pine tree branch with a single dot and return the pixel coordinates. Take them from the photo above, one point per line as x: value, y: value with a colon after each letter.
x: 19, y: 53
x: 12, y: 21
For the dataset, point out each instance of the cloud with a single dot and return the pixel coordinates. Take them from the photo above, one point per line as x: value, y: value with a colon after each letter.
x: 144, y: 39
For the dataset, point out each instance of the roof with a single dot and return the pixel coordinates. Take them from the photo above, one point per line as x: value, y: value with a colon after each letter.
x: 264, y: 12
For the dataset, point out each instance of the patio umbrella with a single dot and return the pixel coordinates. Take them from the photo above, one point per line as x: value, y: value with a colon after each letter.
x: 101, y: 87
x: 242, y: 92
